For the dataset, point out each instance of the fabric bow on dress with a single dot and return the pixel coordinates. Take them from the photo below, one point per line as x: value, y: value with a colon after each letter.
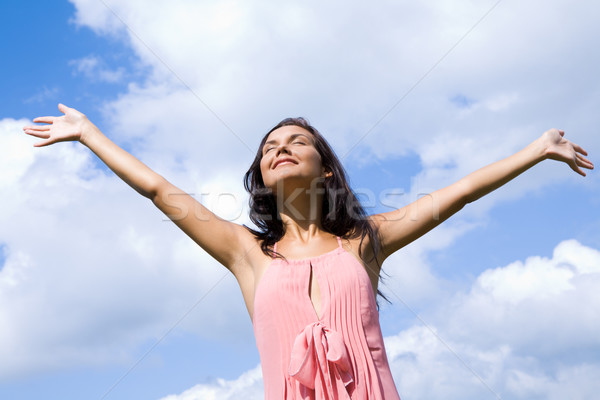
x: 320, y: 362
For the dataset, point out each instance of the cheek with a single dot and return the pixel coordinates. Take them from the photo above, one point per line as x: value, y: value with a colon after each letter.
x: 263, y: 169
x: 316, y: 161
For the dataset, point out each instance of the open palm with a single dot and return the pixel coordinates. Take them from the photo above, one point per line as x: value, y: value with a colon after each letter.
x: 67, y: 127
x: 560, y: 149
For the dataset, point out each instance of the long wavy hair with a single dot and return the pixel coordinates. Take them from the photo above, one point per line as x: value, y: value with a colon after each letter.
x: 345, y: 217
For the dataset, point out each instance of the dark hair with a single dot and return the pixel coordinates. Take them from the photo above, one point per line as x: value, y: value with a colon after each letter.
x: 342, y: 213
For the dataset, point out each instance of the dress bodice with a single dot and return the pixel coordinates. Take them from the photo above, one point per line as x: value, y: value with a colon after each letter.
x: 339, y: 355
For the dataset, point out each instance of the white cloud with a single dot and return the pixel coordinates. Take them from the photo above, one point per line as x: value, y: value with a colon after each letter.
x: 91, y: 270
x: 95, y: 69
x: 540, y: 298
x: 42, y: 95
x: 17, y: 160
x: 513, y: 329
x: 247, y: 386
x: 252, y: 65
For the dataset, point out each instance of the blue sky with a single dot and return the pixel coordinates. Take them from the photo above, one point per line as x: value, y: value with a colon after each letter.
x: 92, y: 277
x: 42, y: 42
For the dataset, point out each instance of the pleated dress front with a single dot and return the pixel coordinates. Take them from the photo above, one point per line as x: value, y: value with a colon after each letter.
x: 337, y: 355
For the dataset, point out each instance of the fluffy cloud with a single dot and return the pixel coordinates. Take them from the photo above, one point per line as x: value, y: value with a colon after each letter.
x: 232, y: 69
x: 526, y: 330
x: 16, y: 162
x: 91, y: 270
x: 94, y: 68
x: 541, y: 306
x: 247, y: 386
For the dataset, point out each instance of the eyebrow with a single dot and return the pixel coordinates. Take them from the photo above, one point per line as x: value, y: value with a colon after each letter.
x: 292, y: 137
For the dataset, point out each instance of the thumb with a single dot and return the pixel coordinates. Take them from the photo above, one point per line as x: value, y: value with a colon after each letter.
x: 63, y: 108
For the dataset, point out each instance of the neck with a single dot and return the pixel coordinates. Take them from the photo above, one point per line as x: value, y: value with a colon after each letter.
x: 300, y: 211
x: 304, y: 231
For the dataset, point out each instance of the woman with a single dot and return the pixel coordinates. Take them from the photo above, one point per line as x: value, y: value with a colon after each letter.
x: 310, y: 272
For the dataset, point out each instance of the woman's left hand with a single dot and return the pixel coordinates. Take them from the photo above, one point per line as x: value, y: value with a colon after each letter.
x: 560, y: 149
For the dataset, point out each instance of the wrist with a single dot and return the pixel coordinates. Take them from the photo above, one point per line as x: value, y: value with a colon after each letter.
x: 539, y: 149
x: 88, y: 132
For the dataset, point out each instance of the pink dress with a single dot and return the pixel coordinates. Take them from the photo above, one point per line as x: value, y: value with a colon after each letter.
x: 337, y: 356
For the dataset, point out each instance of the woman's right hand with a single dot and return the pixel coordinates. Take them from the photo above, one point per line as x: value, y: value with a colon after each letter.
x: 68, y: 127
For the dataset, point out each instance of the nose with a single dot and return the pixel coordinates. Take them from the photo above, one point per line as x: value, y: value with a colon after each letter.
x: 282, y: 148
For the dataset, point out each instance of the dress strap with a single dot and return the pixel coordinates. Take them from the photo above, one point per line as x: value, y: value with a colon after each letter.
x: 339, y: 241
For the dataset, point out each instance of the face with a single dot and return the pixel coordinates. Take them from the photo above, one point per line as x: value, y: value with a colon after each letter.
x: 289, y: 155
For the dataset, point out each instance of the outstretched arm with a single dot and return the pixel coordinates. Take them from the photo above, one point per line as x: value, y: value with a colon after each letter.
x: 74, y: 126
x: 222, y: 239
x: 400, y: 227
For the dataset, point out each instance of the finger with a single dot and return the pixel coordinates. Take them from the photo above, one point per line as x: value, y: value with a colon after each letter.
x: 575, y: 168
x: 37, y: 128
x: 579, y: 149
x: 562, y: 133
x: 584, y: 162
x: 43, y: 143
x: 42, y: 135
x: 63, y: 109
x: 44, y: 120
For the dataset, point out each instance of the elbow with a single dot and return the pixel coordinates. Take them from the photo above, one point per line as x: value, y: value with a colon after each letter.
x: 467, y: 193
x: 155, y: 188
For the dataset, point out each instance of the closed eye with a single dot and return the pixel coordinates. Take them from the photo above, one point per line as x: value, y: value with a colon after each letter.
x: 296, y: 142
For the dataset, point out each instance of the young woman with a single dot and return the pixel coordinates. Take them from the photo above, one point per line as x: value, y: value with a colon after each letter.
x: 309, y: 273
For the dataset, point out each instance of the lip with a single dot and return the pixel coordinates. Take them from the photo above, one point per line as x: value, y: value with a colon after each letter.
x: 283, y: 160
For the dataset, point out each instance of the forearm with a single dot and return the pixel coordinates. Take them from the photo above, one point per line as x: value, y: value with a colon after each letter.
x: 429, y: 211
x: 491, y: 177
x: 131, y: 170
